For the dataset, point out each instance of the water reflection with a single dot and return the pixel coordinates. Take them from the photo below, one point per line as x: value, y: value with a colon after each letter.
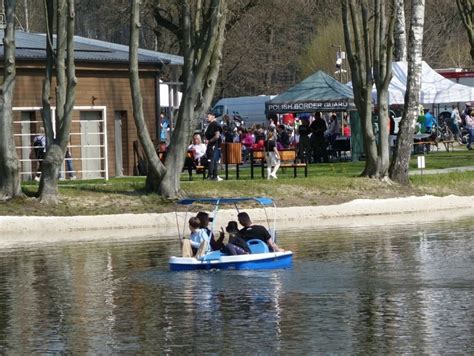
x: 402, y: 289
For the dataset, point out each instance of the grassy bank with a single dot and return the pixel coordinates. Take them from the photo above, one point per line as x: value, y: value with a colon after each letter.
x: 326, y: 184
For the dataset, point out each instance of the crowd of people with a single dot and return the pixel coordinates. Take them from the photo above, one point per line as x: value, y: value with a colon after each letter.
x: 459, y: 125
x: 312, y: 136
x: 203, y: 240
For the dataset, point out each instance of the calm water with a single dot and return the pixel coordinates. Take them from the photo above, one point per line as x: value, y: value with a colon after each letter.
x: 399, y: 289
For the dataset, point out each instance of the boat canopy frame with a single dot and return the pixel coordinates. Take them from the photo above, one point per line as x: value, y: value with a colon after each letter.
x: 265, y: 202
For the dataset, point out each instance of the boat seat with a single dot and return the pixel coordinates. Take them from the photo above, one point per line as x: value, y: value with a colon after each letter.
x: 214, y: 255
x: 257, y: 246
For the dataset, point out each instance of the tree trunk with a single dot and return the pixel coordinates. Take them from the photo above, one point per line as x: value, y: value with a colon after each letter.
x: 400, y: 31
x: 357, y: 40
x: 155, y: 167
x: 383, y: 45
x: 202, y: 40
x: 400, y: 164
x: 65, y: 97
x: 9, y: 164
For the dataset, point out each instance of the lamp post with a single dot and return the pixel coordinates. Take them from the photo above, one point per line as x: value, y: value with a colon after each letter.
x: 340, y: 56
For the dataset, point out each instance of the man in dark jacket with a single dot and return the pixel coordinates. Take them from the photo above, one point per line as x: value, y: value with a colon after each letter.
x: 213, y: 137
x: 250, y: 231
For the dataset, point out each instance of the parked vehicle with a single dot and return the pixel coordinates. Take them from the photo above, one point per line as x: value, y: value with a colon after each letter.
x: 249, y: 109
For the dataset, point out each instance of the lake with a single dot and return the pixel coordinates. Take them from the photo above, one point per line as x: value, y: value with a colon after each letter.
x: 404, y: 288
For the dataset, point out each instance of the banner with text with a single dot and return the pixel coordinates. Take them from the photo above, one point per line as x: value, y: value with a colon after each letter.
x: 308, y: 106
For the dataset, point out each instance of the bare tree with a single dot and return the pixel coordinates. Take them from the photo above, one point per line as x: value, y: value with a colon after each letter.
x: 355, y: 19
x: 9, y: 163
x: 400, y: 163
x: 66, y: 82
x: 371, y: 62
x: 466, y: 10
x: 383, y: 46
x: 400, y: 31
x: 202, y: 27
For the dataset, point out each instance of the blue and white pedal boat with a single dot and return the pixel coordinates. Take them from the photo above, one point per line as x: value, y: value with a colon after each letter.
x: 259, y: 258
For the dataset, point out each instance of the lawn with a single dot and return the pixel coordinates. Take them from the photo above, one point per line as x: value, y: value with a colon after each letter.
x: 326, y: 184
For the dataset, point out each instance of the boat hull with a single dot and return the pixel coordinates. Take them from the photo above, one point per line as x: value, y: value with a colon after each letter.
x: 257, y: 261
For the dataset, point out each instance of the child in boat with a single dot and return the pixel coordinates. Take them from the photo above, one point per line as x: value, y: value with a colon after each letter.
x: 198, y: 243
x: 236, y: 245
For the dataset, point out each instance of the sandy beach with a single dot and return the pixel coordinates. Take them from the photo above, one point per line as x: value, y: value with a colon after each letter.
x: 17, y: 231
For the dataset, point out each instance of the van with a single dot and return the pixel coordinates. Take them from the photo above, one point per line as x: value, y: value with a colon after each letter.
x: 250, y: 109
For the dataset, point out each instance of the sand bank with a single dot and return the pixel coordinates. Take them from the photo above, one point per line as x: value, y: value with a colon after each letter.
x: 19, y: 231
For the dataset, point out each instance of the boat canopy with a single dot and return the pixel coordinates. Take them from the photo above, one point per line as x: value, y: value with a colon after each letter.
x: 218, y: 201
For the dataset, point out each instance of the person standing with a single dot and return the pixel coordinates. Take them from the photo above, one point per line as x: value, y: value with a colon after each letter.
x: 304, y: 153
x: 272, y: 156
x: 39, y: 144
x: 429, y: 121
x: 164, y: 129
x: 470, y: 128
x: 454, y: 123
x: 213, y: 136
x: 318, y: 142
x: 282, y: 137
x: 69, y: 167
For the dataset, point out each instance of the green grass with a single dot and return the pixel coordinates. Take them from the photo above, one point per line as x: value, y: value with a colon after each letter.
x: 326, y: 184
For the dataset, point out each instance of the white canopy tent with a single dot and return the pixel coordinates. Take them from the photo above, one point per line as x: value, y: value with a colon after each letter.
x: 435, y: 89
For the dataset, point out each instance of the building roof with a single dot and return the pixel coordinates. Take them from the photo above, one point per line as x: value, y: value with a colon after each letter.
x: 31, y: 46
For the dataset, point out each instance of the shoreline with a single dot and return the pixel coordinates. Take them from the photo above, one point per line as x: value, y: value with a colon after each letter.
x: 23, y: 231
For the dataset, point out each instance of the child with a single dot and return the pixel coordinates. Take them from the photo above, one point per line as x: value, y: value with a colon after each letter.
x: 198, y: 243
x: 236, y: 245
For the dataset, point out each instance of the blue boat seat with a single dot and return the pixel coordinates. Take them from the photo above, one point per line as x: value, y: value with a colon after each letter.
x: 257, y: 246
x: 214, y: 255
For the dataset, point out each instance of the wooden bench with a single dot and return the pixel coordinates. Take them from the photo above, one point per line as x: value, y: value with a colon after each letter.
x: 423, y: 144
x: 448, y: 144
x: 287, y: 158
x: 198, y: 169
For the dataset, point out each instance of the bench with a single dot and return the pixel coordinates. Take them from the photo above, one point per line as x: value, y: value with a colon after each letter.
x: 287, y: 159
x: 448, y: 144
x: 198, y: 169
x: 423, y: 145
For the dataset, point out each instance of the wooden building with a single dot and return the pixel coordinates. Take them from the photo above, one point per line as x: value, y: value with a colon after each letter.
x: 103, y: 129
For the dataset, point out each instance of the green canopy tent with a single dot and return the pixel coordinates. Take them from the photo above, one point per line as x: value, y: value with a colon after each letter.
x: 320, y: 92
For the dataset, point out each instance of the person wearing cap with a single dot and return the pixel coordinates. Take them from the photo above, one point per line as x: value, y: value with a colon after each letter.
x: 251, y: 231
x: 198, y: 243
x: 236, y: 244
x: 213, y: 137
x: 204, y: 220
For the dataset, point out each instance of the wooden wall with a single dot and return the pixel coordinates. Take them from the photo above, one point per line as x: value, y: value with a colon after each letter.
x: 100, y: 88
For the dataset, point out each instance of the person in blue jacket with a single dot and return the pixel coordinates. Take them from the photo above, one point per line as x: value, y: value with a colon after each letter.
x: 197, y: 245
x: 430, y: 121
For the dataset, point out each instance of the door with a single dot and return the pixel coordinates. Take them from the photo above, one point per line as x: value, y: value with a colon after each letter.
x: 91, y: 144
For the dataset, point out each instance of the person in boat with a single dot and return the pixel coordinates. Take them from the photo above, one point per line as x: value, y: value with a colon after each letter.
x: 205, y: 219
x: 251, y: 231
x: 197, y: 245
x: 236, y: 244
